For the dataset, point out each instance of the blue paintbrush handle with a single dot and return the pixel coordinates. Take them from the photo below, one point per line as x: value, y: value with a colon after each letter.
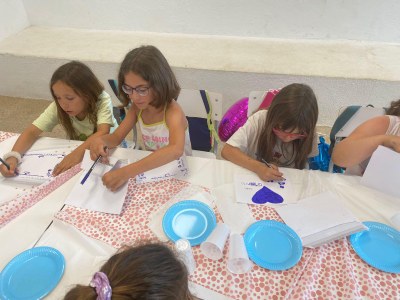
x: 6, y: 164
x: 90, y: 170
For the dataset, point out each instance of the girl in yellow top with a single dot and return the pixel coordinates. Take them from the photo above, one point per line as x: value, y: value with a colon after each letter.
x: 80, y: 105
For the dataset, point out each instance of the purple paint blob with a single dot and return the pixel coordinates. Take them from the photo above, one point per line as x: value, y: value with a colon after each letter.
x: 265, y: 195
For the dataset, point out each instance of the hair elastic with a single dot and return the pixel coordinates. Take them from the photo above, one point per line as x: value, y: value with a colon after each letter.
x: 102, y: 286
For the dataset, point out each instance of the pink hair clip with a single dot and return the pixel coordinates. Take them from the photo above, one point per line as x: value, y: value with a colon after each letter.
x: 102, y: 286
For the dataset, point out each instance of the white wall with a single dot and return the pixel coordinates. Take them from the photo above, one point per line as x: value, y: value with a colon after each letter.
x: 368, y: 20
x: 13, y: 17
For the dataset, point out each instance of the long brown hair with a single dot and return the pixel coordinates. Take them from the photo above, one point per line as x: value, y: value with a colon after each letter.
x: 148, y: 271
x: 82, y: 80
x: 294, y: 107
x: 150, y: 64
x: 394, y: 108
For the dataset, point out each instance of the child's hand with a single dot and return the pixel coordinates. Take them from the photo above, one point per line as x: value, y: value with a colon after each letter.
x: 114, y: 179
x: 269, y: 173
x: 68, y: 162
x: 97, y: 148
x: 12, y: 162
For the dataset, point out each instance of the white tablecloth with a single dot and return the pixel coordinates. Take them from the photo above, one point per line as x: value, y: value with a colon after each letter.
x: 84, y: 255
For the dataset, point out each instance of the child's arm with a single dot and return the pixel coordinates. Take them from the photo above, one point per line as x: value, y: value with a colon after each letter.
x: 177, y: 124
x: 239, y: 158
x: 76, y: 156
x: 23, y: 143
x: 363, y: 141
x: 114, y: 139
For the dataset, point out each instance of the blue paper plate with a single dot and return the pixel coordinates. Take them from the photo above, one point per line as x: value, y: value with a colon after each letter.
x: 189, y: 219
x: 379, y: 246
x: 273, y: 245
x: 32, y: 274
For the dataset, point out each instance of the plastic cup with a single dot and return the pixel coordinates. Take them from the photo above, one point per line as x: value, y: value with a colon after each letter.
x: 238, y: 261
x: 213, y: 247
x: 185, y: 253
x: 395, y: 220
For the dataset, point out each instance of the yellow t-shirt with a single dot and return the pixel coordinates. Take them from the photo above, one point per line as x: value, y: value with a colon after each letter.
x: 49, y: 119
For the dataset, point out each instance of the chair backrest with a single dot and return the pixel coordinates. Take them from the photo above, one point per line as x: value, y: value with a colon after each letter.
x: 203, y: 110
x: 349, y: 119
x: 260, y: 100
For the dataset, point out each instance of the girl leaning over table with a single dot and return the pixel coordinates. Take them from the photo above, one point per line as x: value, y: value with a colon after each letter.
x: 282, y: 136
x: 146, y: 80
x: 355, y: 151
x: 80, y: 105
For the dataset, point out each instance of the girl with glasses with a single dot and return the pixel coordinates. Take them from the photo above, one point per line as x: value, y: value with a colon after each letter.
x: 146, y: 81
x: 147, y: 271
x: 81, y: 106
x: 354, y: 152
x: 282, y: 136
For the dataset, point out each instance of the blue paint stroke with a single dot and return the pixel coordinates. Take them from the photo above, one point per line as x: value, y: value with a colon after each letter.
x: 265, y: 195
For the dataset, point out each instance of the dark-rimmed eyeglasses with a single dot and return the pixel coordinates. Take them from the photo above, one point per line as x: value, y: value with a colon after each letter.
x: 140, y: 90
x: 282, y: 134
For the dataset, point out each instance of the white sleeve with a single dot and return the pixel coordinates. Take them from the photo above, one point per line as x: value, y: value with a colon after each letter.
x: 245, y: 137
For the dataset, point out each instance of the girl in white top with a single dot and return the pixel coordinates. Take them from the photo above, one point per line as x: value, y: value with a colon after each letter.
x: 355, y: 151
x: 81, y: 106
x: 146, y: 80
x: 283, y: 136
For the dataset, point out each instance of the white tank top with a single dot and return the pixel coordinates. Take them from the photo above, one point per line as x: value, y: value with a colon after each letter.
x: 156, y: 136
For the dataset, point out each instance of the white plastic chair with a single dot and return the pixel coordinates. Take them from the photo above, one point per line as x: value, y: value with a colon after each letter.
x: 256, y: 98
x: 193, y: 105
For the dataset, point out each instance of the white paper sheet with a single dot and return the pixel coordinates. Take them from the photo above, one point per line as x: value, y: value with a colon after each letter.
x: 174, y: 169
x: 37, y: 166
x: 319, y: 219
x: 247, y: 185
x: 93, y: 195
x: 383, y: 171
x: 7, y: 193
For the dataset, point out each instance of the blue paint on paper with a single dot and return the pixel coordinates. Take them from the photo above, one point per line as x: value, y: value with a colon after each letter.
x: 265, y: 195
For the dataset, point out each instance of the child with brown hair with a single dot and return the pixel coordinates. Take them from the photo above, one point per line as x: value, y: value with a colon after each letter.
x: 146, y: 80
x: 149, y: 271
x: 282, y: 136
x: 80, y: 105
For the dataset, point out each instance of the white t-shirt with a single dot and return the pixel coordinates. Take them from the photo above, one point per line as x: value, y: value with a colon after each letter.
x: 49, y: 118
x: 246, y: 139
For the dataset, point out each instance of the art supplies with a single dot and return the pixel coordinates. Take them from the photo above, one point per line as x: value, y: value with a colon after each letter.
x: 90, y: 170
x: 5, y: 163
x: 320, y: 219
x: 252, y: 190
